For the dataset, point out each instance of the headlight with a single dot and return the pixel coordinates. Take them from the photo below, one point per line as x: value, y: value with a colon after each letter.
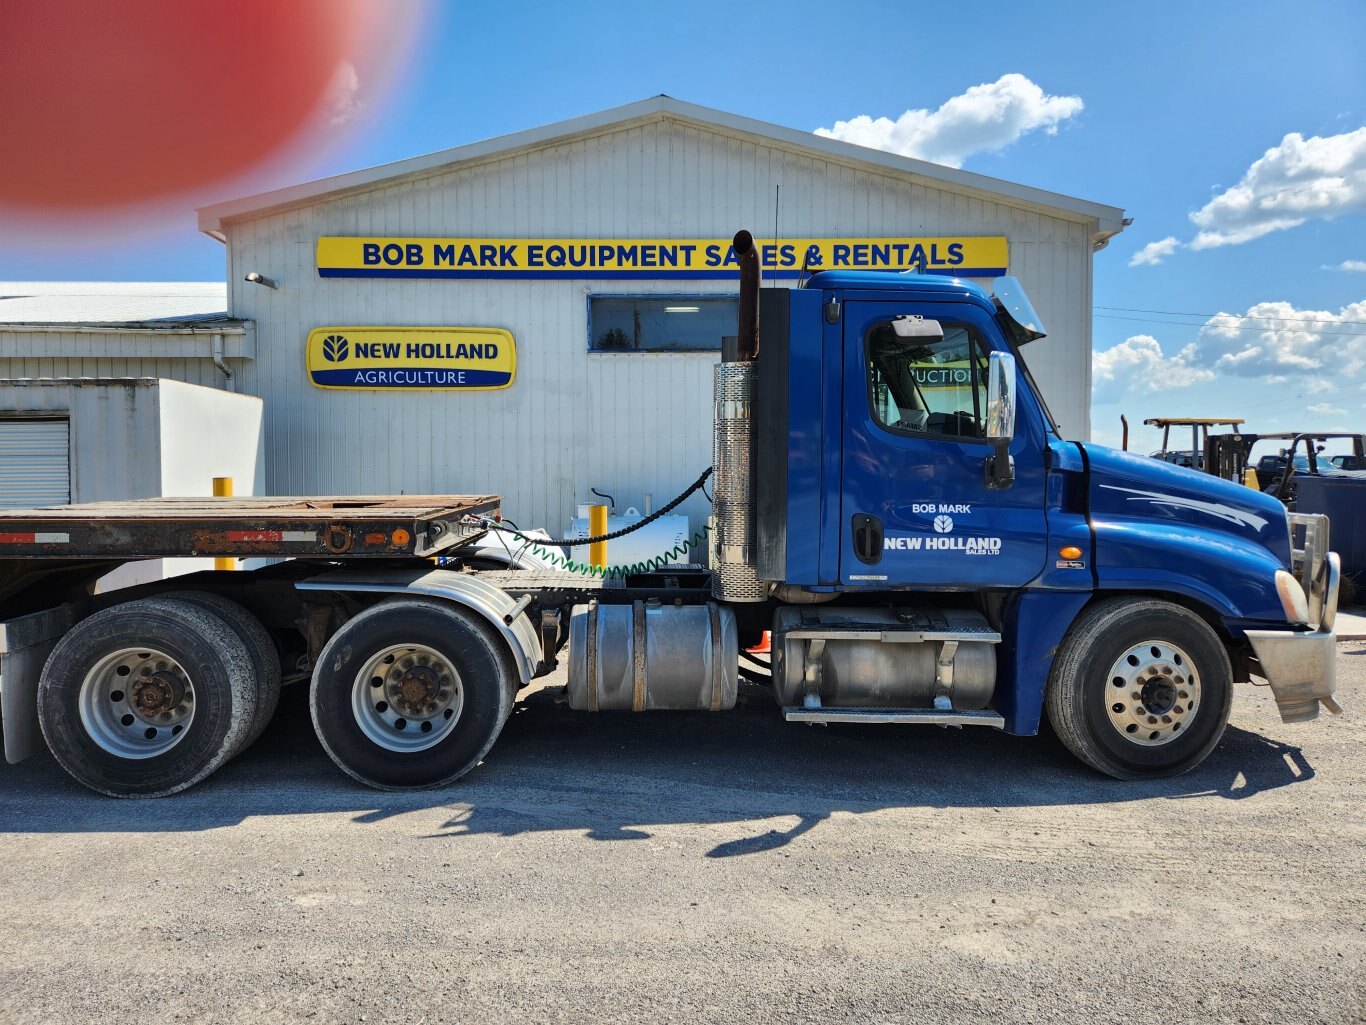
x: 1292, y: 597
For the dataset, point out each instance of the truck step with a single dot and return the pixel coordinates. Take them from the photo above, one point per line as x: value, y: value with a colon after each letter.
x: 923, y: 716
x: 884, y: 634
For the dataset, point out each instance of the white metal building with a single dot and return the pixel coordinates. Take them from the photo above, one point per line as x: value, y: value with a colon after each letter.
x: 115, y: 390
x: 623, y: 405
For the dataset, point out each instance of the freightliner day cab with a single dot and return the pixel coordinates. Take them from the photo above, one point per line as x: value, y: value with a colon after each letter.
x: 891, y: 500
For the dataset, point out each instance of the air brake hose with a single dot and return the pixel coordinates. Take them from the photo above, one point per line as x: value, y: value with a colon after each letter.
x: 669, y: 558
x: 539, y: 544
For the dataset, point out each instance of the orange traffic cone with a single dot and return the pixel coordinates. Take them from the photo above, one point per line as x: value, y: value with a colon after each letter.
x: 762, y: 647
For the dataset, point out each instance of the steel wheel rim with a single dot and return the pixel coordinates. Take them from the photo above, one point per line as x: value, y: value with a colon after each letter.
x: 1152, y: 693
x: 407, y: 698
x: 137, y: 703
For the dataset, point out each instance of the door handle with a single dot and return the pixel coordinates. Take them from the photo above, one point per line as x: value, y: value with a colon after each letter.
x: 867, y: 538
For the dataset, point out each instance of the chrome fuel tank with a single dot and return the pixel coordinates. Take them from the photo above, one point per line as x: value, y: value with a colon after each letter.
x: 883, y: 658
x: 647, y: 656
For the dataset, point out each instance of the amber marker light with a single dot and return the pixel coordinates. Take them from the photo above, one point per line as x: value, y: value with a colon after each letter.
x: 399, y: 537
x: 1070, y: 552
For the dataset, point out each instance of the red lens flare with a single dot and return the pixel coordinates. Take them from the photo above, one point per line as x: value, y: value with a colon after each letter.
x: 108, y: 106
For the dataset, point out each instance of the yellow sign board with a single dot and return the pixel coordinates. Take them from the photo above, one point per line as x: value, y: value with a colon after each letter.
x: 959, y: 375
x: 338, y: 257
x: 411, y: 358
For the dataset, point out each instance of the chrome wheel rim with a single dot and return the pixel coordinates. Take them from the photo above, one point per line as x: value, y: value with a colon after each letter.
x: 407, y: 698
x: 1152, y: 693
x: 137, y: 703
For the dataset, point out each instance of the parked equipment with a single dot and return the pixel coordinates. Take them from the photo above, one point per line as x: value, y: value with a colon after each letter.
x: 1193, y: 457
x: 891, y: 499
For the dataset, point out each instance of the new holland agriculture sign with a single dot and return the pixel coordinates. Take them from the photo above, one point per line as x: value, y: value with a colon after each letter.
x: 411, y: 358
x: 973, y: 257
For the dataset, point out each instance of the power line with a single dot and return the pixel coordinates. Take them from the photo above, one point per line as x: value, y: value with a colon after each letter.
x: 1235, y: 316
x: 1231, y: 316
x: 1179, y: 323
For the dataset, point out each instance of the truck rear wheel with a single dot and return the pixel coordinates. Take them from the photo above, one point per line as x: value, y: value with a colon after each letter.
x: 411, y: 694
x: 1140, y: 688
x: 264, y: 656
x: 147, y: 698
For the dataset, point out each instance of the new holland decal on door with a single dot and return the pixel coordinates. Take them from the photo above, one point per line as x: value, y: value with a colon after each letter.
x: 411, y: 358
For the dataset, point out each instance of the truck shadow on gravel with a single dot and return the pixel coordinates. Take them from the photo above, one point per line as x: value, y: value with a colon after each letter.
x: 614, y: 777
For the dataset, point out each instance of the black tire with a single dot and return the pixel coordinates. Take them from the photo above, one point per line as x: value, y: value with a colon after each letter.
x: 1096, y: 715
x: 482, y: 666
x: 265, y: 656
x: 222, y: 678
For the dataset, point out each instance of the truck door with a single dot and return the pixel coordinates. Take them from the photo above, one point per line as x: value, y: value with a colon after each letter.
x: 915, y: 506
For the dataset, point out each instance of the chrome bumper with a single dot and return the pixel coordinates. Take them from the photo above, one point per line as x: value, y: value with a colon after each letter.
x: 1302, y: 667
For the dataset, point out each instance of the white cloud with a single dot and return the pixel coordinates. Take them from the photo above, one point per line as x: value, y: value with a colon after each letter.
x: 1276, y: 338
x: 1138, y: 364
x: 1323, y: 176
x: 1351, y: 265
x: 1154, y: 252
x: 984, y: 119
x: 1324, y: 409
x: 1313, y: 351
x: 342, y: 98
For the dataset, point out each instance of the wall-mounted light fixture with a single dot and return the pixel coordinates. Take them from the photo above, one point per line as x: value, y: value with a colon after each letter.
x: 261, y: 279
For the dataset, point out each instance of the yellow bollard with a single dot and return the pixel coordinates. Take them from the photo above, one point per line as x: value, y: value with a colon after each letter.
x: 1250, y: 479
x: 222, y: 488
x: 597, y: 524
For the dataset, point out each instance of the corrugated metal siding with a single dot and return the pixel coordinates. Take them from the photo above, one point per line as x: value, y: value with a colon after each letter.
x: 114, y: 446
x: 35, y: 463
x: 626, y: 424
x: 28, y: 354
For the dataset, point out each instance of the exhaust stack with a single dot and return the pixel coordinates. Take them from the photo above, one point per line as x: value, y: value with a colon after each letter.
x: 734, y: 578
x: 750, y: 275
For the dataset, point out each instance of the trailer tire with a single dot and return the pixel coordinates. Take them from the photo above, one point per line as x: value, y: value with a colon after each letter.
x: 91, y: 717
x: 1140, y: 688
x: 411, y: 694
x: 265, y: 656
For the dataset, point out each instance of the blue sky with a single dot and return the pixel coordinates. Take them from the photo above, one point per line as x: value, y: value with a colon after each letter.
x: 1177, y: 102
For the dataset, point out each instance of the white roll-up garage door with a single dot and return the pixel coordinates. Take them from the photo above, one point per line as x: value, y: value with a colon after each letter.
x: 35, y: 462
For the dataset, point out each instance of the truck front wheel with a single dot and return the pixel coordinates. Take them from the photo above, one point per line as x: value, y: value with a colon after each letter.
x: 1140, y: 688
x: 411, y: 693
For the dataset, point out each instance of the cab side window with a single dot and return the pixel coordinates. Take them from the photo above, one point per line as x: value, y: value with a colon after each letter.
x: 935, y: 388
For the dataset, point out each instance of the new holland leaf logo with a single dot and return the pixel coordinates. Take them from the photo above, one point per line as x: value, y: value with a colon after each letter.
x: 943, y: 524
x: 335, y: 348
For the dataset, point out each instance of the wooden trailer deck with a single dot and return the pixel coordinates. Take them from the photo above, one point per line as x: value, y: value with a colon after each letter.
x: 326, y: 527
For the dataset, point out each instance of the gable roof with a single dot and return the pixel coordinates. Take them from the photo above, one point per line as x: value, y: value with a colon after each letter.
x: 1108, y: 220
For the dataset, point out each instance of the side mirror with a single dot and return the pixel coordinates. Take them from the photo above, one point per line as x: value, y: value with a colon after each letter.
x: 1000, y: 467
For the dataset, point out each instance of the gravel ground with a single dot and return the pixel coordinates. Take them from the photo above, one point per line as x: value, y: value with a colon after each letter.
x: 682, y: 868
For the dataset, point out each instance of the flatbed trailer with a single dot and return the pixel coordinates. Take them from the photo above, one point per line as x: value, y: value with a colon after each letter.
x: 890, y: 500
x: 57, y: 552
x: 354, y: 526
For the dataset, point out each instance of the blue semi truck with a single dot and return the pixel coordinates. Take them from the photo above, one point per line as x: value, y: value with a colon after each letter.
x: 891, y: 500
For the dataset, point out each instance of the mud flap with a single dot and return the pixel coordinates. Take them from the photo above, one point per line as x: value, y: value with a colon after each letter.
x: 25, y: 644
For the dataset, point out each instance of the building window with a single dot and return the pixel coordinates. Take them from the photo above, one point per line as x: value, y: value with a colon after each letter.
x: 676, y: 323
x: 937, y: 388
